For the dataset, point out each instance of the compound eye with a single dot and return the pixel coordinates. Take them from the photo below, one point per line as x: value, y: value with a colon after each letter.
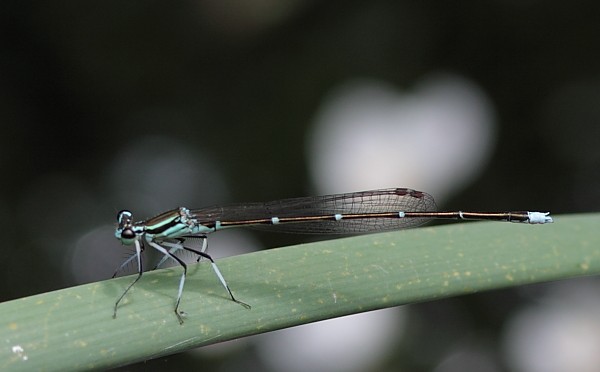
x: 124, y: 217
x: 127, y: 234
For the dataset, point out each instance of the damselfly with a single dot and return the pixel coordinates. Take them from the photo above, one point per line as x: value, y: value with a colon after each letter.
x: 352, y: 213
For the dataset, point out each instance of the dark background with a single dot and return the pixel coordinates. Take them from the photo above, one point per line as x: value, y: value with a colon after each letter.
x: 238, y: 85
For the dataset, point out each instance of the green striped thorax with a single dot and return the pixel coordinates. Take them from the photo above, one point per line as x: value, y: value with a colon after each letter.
x: 172, y: 224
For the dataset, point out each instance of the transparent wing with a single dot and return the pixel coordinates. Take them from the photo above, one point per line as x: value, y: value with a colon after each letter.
x: 392, y: 200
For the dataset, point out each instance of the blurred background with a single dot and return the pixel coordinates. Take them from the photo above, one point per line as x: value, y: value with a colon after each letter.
x: 151, y: 105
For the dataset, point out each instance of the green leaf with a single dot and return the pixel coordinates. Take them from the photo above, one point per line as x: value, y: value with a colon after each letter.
x: 73, y: 328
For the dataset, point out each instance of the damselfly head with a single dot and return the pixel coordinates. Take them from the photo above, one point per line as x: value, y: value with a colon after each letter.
x: 124, y: 231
